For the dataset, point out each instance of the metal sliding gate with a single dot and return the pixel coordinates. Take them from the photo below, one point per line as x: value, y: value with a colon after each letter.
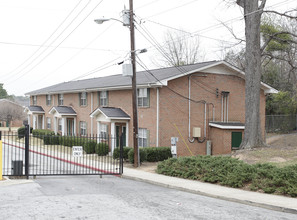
x: 37, y: 155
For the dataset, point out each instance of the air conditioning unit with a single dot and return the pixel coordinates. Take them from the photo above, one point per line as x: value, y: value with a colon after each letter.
x: 196, y: 132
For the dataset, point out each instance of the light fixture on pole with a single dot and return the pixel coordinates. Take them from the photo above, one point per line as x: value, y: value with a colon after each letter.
x: 128, y: 20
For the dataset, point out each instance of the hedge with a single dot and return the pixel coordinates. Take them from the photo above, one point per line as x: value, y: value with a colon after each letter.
x: 142, y: 154
x: 155, y: 154
x: 21, y: 132
x: 42, y: 132
x: 102, y: 149
x: 234, y: 173
x: 116, y: 153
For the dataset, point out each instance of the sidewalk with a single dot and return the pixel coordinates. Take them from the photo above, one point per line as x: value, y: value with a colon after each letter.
x: 275, y: 202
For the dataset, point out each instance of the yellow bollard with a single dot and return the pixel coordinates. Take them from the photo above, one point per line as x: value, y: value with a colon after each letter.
x: 1, y: 160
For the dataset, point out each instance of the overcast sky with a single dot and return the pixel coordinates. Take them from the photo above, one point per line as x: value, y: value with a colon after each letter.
x: 45, y: 42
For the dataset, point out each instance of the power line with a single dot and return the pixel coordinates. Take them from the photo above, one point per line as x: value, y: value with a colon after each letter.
x: 43, y: 44
x: 60, y: 42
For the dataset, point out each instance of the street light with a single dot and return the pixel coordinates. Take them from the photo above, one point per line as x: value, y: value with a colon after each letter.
x: 129, y: 21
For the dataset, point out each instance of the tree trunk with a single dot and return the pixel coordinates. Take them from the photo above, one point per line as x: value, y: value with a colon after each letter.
x: 252, y: 134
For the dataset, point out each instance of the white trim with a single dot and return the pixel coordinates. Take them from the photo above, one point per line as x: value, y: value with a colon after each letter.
x: 158, y: 112
x: 227, y: 127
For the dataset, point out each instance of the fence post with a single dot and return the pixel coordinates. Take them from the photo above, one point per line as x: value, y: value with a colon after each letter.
x: 27, y: 132
x: 1, y: 156
x: 121, y: 154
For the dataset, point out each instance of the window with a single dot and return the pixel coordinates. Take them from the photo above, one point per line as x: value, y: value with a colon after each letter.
x: 34, y: 100
x: 103, y: 98
x: 103, y: 131
x: 143, y: 97
x: 60, y: 99
x: 48, y: 99
x: 83, y: 128
x: 143, y: 137
x: 83, y: 99
x: 60, y: 124
x: 48, y: 123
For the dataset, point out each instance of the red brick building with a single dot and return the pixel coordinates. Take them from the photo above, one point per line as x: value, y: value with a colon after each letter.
x: 204, y: 100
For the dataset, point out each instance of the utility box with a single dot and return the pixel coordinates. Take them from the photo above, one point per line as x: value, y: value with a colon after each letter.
x: 17, y: 167
x: 127, y: 69
x: 126, y: 17
x: 208, y: 147
x: 196, y: 132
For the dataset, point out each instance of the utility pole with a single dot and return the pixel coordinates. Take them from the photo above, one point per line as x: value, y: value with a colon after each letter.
x: 134, y: 88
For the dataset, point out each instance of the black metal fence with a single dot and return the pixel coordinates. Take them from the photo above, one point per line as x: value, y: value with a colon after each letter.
x: 35, y: 155
x: 281, y: 123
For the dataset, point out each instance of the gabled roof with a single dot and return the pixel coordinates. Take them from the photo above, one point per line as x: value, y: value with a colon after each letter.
x: 34, y: 109
x: 62, y: 110
x: 111, y: 113
x: 9, y: 101
x: 151, y: 78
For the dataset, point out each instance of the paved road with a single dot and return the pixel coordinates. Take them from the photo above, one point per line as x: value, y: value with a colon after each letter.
x: 91, y: 197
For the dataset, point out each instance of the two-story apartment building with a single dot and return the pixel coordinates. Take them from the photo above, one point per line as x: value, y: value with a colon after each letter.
x: 202, y: 104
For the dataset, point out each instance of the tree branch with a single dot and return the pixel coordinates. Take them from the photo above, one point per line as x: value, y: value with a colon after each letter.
x: 274, y: 36
x: 282, y: 14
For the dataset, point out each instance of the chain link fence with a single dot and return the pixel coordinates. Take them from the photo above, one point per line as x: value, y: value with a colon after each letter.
x: 280, y: 123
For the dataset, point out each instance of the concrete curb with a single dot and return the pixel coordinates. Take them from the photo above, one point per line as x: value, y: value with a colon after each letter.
x: 9, y: 182
x: 252, y: 202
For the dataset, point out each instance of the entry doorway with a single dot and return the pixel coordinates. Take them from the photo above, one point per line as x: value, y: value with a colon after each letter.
x: 120, y: 130
x: 70, y: 126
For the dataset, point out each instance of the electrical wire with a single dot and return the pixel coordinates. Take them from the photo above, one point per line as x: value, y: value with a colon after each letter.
x: 59, y: 43
x: 43, y: 44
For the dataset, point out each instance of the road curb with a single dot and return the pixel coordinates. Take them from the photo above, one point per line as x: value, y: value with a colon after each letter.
x: 246, y: 202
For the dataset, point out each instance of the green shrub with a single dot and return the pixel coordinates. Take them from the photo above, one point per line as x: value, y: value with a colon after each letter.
x: 42, y: 132
x: 233, y: 172
x: 21, y: 132
x: 142, y: 155
x: 155, y: 154
x: 116, y: 153
x: 102, y: 149
x: 89, y: 147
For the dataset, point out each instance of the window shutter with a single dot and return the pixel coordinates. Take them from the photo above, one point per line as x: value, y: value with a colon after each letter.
x: 79, y: 99
x: 107, y: 98
x: 148, y: 137
x: 107, y: 131
x: 148, y: 97
x: 86, y: 99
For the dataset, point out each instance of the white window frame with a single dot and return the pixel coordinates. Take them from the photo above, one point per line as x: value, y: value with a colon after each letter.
x: 103, y: 131
x: 103, y: 98
x: 60, y: 124
x: 48, y: 123
x: 61, y: 99
x: 48, y: 100
x: 34, y: 100
x: 143, y: 97
x: 83, y: 128
x: 142, y: 137
x: 83, y: 99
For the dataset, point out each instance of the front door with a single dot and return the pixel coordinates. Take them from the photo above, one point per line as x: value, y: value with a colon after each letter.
x: 40, y: 121
x: 120, y: 130
x: 70, y: 126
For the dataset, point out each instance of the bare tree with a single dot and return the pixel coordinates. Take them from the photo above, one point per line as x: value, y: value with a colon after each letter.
x: 253, y: 10
x: 180, y: 49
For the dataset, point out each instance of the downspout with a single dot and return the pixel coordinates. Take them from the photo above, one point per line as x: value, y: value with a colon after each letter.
x: 227, y: 106
x: 92, y: 133
x: 222, y: 109
x: 189, y: 137
x: 157, y: 130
